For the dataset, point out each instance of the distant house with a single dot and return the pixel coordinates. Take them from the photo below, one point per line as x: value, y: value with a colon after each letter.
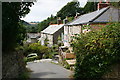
x: 99, y: 17
x: 33, y: 23
x: 51, y: 33
x: 32, y: 37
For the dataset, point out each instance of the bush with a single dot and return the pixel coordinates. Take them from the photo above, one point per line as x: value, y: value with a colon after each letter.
x: 96, y: 51
x: 66, y: 65
x: 46, y: 56
x: 36, y: 48
x: 55, y: 48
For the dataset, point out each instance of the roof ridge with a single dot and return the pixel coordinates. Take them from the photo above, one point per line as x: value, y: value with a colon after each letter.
x: 51, y: 29
x: 56, y: 24
x: 90, y: 13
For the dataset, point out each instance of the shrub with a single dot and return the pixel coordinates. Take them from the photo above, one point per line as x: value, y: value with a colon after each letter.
x: 46, y: 56
x: 68, y: 51
x: 96, y: 51
x: 36, y: 48
x: 67, y: 66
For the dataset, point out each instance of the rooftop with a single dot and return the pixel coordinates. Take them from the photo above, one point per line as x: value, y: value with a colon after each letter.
x: 51, y: 29
x: 33, y: 35
x: 107, y: 14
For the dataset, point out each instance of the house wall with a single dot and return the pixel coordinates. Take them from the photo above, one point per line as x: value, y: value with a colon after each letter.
x: 49, y: 37
x: 43, y: 36
x: 70, y: 31
x: 52, y: 38
x: 97, y: 26
x: 57, y: 34
x: 33, y: 40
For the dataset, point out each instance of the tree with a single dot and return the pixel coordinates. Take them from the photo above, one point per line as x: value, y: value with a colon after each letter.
x: 45, y: 23
x: 70, y: 10
x: 11, y: 30
x: 90, y: 7
x: 115, y: 4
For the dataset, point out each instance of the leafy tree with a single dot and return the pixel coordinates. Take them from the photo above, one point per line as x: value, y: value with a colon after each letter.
x: 30, y: 28
x: 70, y: 19
x: 70, y: 10
x: 115, y: 4
x: 11, y: 30
x: 45, y: 23
x: 90, y: 7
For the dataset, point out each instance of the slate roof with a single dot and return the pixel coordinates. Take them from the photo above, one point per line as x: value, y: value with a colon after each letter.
x: 51, y: 29
x: 111, y: 15
x: 33, y: 35
x: 102, y: 15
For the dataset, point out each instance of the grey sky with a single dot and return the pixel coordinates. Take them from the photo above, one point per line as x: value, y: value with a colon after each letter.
x: 44, y: 8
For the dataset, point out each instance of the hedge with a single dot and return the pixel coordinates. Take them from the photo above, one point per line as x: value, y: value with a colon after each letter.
x: 97, y: 51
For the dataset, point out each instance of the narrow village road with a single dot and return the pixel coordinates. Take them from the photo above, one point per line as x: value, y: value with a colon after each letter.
x: 48, y: 70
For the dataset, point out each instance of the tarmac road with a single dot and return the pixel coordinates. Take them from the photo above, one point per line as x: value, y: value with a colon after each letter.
x: 48, y: 70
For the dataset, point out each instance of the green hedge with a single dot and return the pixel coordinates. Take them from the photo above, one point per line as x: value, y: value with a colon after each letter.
x: 96, y: 51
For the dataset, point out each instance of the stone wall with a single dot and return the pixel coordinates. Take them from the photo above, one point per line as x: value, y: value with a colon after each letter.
x: 57, y: 34
x: 12, y: 65
x: 114, y: 74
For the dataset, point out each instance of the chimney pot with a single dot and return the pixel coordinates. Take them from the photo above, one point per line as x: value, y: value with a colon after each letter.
x: 65, y: 20
x: 59, y: 21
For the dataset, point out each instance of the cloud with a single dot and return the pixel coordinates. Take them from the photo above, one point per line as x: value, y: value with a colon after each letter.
x: 44, y: 8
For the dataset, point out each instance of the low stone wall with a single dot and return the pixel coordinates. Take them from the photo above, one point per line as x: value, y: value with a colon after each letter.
x: 12, y: 65
x: 114, y: 74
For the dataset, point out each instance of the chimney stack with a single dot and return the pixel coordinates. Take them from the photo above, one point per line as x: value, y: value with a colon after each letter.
x: 59, y: 21
x: 76, y: 15
x: 103, y: 5
x: 65, y: 20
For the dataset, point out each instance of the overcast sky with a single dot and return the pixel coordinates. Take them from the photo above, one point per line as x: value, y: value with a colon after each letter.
x: 44, y: 8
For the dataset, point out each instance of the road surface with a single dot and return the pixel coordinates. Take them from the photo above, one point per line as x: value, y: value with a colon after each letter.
x: 48, y: 70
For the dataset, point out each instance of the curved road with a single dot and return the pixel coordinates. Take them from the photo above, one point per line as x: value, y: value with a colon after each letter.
x: 48, y: 70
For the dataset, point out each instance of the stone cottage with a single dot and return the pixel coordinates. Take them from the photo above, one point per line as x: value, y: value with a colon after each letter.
x: 51, y: 33
x: 102, y: 16
x: 32, y: 37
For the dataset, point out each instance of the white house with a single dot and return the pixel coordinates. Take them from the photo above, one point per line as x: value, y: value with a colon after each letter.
x: 51, y: 33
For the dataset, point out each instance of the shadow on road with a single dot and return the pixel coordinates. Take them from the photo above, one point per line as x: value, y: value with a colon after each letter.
x: 42, y: 74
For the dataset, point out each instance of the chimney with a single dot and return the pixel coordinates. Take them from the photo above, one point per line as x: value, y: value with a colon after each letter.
x: 59, y: 21
x: 65, y: 20
x: 103, y: 5
x: 76, y: 15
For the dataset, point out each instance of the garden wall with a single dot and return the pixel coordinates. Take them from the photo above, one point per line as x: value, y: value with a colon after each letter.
x: 115, y: 73
x: 12, y: 65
